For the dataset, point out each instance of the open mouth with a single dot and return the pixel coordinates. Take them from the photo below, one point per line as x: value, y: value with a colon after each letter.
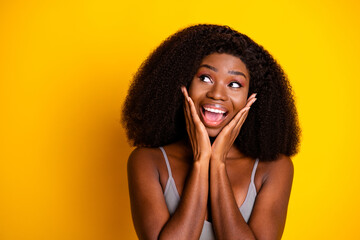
x: 213, y: 116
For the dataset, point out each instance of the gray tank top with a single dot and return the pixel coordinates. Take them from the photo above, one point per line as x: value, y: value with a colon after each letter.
x: 172, y: 199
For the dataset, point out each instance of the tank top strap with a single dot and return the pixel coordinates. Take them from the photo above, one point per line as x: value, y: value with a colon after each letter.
x: 166, y: 161
x: 254, y: 170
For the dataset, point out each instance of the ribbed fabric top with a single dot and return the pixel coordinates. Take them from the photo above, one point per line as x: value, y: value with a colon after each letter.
x: 172, y: 199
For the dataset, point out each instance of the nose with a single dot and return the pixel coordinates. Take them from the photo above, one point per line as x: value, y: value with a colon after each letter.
x: 217, y: 92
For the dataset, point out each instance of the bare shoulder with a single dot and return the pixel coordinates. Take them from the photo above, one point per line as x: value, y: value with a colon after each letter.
x: 143, y: 154
x: 278, y: 172
x: 143, y: 158
x: 283, y: 165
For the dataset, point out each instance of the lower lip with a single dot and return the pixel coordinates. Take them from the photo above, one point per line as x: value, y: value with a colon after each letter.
x: 209, y: 123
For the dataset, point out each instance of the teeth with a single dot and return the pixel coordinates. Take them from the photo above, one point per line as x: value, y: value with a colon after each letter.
x: 214, y: 110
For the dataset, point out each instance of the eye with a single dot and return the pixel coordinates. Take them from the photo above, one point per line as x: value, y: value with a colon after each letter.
x: 205, y: 78
x: 235, y: 85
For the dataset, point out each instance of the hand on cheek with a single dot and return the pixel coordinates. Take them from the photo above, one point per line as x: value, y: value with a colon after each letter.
x: 196, y: 130
x: 229, y: 133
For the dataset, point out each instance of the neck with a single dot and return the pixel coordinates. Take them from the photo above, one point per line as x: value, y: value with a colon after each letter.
x: 234, y: 152
x: 212, y: 140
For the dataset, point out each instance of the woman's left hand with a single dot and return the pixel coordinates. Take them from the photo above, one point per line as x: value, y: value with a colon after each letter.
x: 229, y: 133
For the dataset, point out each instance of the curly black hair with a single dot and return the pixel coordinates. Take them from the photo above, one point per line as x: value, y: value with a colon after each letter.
x: 153, y: 109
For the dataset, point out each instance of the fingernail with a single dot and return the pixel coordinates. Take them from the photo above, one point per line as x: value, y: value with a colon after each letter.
x: 188, y: 98
x: 255, y: 94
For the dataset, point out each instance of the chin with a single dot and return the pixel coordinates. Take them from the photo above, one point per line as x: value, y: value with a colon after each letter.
x: 213, y: 132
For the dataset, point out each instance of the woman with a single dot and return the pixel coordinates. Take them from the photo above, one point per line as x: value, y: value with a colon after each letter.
x: 200, y: 170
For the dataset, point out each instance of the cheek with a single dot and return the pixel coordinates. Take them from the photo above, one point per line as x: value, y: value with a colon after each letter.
x: 239, y: 103
x: 243, y: 103
x: 193, y: 90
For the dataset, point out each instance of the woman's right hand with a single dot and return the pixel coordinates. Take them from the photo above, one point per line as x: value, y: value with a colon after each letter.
x: 196, y: 130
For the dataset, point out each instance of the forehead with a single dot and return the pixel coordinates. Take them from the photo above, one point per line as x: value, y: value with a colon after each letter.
x: 225, y: 62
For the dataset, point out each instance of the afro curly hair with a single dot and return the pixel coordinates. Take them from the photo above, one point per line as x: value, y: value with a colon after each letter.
x: 153, y: 109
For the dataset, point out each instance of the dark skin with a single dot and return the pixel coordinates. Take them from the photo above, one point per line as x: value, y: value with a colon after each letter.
x: 212, y: 178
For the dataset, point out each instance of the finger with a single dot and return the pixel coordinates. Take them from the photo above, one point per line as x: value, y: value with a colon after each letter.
x: 250, y: 102
x: 187, y: 113
x: 240, y: 114
x: 231, y: 126
x: 237, y: 128
x: 242, y: 119
x: 199, y: 138
x: 196, y: 127
x: 184, y: 91
x: 194, y: 114
x: 188, y: 104
x: 252, y: 96
x: 191, y: 105
x: 236, y: 124
x: 229, y: 133
x: 186, y: 98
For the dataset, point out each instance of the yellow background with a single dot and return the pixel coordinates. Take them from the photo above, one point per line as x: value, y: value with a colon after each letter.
x: 65, y: 67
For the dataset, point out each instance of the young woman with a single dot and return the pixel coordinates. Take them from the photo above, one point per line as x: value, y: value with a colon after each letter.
x: 200, y: 171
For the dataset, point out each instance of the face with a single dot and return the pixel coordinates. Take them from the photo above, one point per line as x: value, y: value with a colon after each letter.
x: 219, y: 90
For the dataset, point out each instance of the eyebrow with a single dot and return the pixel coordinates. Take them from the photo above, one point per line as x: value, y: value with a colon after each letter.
x: 230, y: 72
